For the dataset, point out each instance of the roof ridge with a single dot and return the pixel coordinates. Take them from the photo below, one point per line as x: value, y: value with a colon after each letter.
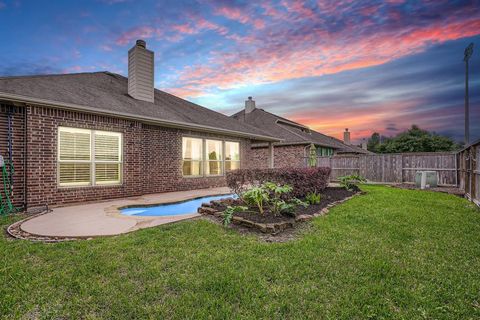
x: 50, y: 75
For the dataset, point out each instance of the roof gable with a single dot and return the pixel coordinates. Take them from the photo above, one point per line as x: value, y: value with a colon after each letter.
x: 292, y: 132
x: 107, y: 93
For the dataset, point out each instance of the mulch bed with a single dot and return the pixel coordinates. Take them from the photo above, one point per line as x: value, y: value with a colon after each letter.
x: 274, y: 224
x: 450, y: 190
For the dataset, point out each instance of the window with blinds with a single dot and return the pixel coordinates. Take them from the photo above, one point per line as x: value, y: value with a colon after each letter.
x: 206, y: 157
x: 89, y: 157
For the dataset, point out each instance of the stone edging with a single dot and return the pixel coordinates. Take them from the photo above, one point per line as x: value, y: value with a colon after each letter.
x: 15, y: 231
x: 272, y: 228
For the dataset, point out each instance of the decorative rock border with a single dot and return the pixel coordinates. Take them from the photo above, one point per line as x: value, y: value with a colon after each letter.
x: 15, y: 231
x: 271, y: 228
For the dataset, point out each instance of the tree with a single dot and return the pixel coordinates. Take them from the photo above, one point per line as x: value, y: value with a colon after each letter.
x: 413, y: 140
x: 373, y: 142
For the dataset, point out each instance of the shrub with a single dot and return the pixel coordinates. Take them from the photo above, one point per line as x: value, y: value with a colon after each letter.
x: 302, y: 180
x: 313, y: 198
x: 351, y: 182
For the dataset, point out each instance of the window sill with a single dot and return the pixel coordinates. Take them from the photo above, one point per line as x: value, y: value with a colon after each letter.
x: 98, y: 186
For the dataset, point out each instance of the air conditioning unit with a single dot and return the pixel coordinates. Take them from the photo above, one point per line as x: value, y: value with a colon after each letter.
x: 2, y: 163
x: 426, y: 179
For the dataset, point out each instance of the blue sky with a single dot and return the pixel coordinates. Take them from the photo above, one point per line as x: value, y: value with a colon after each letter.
x: 366, y: 65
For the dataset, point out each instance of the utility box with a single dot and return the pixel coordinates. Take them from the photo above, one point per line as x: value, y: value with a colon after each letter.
x: 429, y: 179
x: 2, y: 163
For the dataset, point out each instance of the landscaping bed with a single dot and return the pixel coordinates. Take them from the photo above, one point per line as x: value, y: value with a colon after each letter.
x: 275, y: 223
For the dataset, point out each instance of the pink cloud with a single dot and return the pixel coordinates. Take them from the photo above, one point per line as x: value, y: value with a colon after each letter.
x: 195, y: 25
x: 298, y: 7
x: 142, y: 32
x: 317, y: 53
x: 239, y: 15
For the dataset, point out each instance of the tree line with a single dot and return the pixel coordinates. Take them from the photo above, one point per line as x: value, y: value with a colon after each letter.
x: 412, y: 140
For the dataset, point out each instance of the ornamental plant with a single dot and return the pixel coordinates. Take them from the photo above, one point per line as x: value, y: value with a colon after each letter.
x: 229, y: 212
x: 351, y: 182
x: 313, y: 198
x: 256, y: 197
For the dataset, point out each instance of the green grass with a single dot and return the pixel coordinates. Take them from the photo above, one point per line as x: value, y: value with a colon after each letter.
x: 392, y: 253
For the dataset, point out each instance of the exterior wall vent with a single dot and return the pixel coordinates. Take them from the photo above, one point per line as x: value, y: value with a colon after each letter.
x: 141, y: 72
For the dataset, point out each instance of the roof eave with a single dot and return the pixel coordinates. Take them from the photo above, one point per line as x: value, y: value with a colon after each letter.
x: 149, y: 120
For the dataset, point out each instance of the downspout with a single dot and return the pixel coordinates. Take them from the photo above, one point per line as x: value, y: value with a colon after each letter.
x: 25, y: 158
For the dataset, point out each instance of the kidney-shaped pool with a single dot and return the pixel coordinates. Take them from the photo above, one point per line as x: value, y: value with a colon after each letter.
x: 172, y: 209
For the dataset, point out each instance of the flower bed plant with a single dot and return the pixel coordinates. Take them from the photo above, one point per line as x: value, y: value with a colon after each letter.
x: 271, y: 207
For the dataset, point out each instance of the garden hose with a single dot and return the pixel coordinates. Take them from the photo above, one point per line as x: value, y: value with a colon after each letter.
x: 6, y: 205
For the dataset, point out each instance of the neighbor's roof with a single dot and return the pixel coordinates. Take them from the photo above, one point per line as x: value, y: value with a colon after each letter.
x: 106, y: 93
x: 292, y: 132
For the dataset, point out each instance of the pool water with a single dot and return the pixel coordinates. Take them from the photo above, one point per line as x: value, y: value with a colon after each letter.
x: 172, y: 209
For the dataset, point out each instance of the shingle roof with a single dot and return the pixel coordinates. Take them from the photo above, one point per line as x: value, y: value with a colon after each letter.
x: 106, y: 92
x: 292, y: 132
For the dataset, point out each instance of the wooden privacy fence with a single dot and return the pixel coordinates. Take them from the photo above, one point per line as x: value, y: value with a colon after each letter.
x: 469, y: 172
x: 393, y: 168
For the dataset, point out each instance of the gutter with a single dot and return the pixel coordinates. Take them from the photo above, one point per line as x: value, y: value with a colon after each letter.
x: 148, y: 120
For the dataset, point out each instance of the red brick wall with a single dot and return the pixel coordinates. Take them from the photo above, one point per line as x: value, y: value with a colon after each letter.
x: 284, y: 156
x: 152, y: 157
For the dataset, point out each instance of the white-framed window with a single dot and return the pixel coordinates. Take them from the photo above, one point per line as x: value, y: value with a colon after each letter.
x: 232, y: 155
x: 89, y: 157
x: 213, y: 157
x: 209, y: 157
x: 192, y: 155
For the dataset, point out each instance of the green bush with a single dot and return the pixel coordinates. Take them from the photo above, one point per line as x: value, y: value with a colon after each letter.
x: 256, y: 197
x: 275, y: 197
x: 351, y: 182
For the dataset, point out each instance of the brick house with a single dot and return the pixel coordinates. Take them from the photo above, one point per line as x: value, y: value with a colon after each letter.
x: 296, y: 140
x: 93, y: 136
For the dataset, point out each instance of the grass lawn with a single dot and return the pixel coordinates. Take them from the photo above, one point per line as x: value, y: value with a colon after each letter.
x: 392, y: 253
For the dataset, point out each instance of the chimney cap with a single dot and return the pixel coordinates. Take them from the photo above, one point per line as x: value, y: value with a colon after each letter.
x: 141, y: 43
x: 249, y: 98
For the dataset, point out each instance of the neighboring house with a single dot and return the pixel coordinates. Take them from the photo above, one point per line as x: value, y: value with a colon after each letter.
x: 91, y: 136
x: 297, y: 138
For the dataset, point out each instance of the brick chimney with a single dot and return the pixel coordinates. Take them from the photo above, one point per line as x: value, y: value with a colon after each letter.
x: 346, y: 136
x: 249, y: 105
x: 140, y: 72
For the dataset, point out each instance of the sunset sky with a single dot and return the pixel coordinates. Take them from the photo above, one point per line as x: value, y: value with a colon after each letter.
x: 366, y: 65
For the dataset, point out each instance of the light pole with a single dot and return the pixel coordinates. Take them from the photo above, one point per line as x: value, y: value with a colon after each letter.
x: 468, y: 54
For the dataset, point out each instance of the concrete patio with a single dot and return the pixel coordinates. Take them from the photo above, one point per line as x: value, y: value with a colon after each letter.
x: 104, y: 218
